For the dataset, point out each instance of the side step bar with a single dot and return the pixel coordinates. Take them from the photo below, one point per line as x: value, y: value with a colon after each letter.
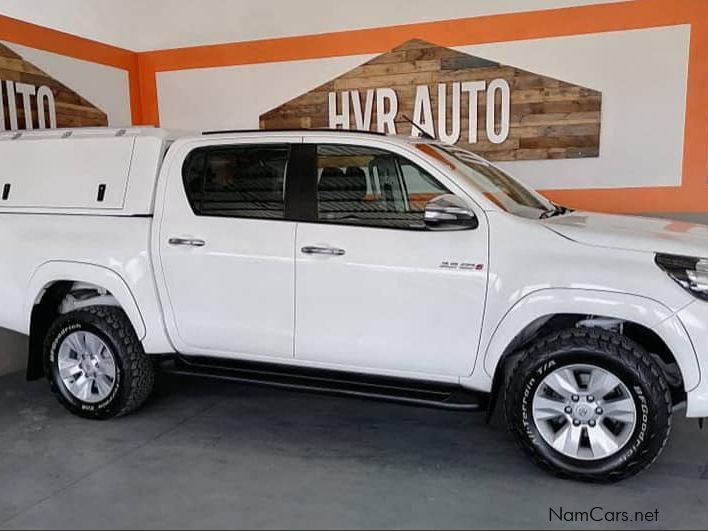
x: 430, y: 394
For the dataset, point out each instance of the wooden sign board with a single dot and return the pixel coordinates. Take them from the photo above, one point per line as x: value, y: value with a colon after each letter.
x: 31, y: 99
x: 500, y: 112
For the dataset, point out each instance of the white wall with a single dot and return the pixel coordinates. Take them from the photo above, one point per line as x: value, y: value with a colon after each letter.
x: 642, y: 75
x: 234, y: 97
x: 105, y: 87
x: 156, y: 24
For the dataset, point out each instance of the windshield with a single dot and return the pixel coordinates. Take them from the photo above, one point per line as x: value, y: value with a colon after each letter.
x: 497, y: 186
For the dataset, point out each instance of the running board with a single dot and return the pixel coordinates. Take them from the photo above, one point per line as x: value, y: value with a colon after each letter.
x: 422, y: 393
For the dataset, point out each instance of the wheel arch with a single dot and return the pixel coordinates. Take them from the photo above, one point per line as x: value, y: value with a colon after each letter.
x: 52, y: 282
x: 649, y: 323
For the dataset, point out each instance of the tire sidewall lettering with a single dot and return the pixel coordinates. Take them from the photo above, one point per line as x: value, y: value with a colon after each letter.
x: 642, y: 424
x: 529, y: 391
x: 530, y: 431
x: 52, y: 358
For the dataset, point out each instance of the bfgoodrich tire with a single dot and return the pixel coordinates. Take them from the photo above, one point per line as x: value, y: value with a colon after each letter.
x: 588, y: 404
x: 95, y: 363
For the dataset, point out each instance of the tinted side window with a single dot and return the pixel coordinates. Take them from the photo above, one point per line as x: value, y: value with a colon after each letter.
x: 237, y: 181
x: 369, y: 186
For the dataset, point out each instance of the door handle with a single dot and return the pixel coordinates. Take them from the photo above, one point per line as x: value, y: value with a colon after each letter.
x: 191, y: 242
x: 330, y: 251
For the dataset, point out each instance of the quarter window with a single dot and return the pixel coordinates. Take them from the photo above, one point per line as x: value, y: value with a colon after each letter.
x: 372, y: 187
x: 237, y: 181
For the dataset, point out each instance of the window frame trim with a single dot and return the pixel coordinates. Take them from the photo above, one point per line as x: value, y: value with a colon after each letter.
x: 390, y: 148
x: 253, y: 142
x: 301, y: 184
x: 185, y: 149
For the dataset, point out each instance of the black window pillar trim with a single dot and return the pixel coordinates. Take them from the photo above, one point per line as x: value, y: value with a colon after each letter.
x: 301, y: 183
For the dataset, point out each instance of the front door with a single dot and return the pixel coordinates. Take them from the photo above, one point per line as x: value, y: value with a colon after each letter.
x: 227, y: 251
x: 375, y: 290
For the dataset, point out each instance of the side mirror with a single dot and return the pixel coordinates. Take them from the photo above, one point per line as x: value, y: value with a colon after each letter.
x: 449, y: 212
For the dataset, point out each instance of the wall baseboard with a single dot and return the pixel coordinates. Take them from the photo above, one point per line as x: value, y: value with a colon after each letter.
x: 13, y: 351
x: 689, y: 217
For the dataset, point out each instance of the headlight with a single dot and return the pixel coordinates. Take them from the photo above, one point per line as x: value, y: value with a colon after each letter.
x: 691, y: 273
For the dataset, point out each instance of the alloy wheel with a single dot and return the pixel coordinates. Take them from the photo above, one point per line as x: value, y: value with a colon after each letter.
x: 584, y: 412
x: 86, y: 366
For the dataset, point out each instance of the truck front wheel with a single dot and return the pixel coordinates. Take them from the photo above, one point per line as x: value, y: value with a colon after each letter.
x: 589, y: 404
x: 95, y: 363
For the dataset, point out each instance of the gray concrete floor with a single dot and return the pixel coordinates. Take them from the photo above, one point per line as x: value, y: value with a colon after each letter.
x: 204, y: 454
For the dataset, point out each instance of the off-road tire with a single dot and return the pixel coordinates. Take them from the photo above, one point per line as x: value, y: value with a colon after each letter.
x: 616, y: 354
x: 135, y: 373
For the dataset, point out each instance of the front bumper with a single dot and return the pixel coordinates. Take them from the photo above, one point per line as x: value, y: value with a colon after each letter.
x: 694, y: 318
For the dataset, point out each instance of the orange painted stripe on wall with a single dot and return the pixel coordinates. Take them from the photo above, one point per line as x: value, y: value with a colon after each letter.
x: 632, y: 200
x: 59, y: 42
x: 34, y: 36
x: 695, y: 159
x: 633, y: 14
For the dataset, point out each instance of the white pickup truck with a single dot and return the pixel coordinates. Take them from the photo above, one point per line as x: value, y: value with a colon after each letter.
x: 395, y: 268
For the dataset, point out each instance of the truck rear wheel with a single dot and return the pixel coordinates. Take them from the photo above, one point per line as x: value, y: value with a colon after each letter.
x: 589, y: 404
x: 95, y: 363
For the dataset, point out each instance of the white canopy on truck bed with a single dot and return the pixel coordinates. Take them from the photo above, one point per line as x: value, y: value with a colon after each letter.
x: 106, y: 171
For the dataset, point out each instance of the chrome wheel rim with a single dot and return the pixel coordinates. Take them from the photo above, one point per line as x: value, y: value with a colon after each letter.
x: 584, y: 412
x: 87, y: 367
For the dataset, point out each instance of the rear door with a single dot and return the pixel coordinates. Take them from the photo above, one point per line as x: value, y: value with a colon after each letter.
x: 226, y: 250
x: 375, y: 290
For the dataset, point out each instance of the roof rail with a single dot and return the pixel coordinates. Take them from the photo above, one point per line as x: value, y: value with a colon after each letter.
x: 289, y: 130
x: 71, y: 132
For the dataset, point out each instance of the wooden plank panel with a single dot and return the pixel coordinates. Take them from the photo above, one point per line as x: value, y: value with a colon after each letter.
x: 72, y: 110
x: 388, y: 69
x: 404, y: 80
x: 548, y: 118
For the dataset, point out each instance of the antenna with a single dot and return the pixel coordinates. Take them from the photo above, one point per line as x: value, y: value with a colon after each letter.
x: 419, y: 128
